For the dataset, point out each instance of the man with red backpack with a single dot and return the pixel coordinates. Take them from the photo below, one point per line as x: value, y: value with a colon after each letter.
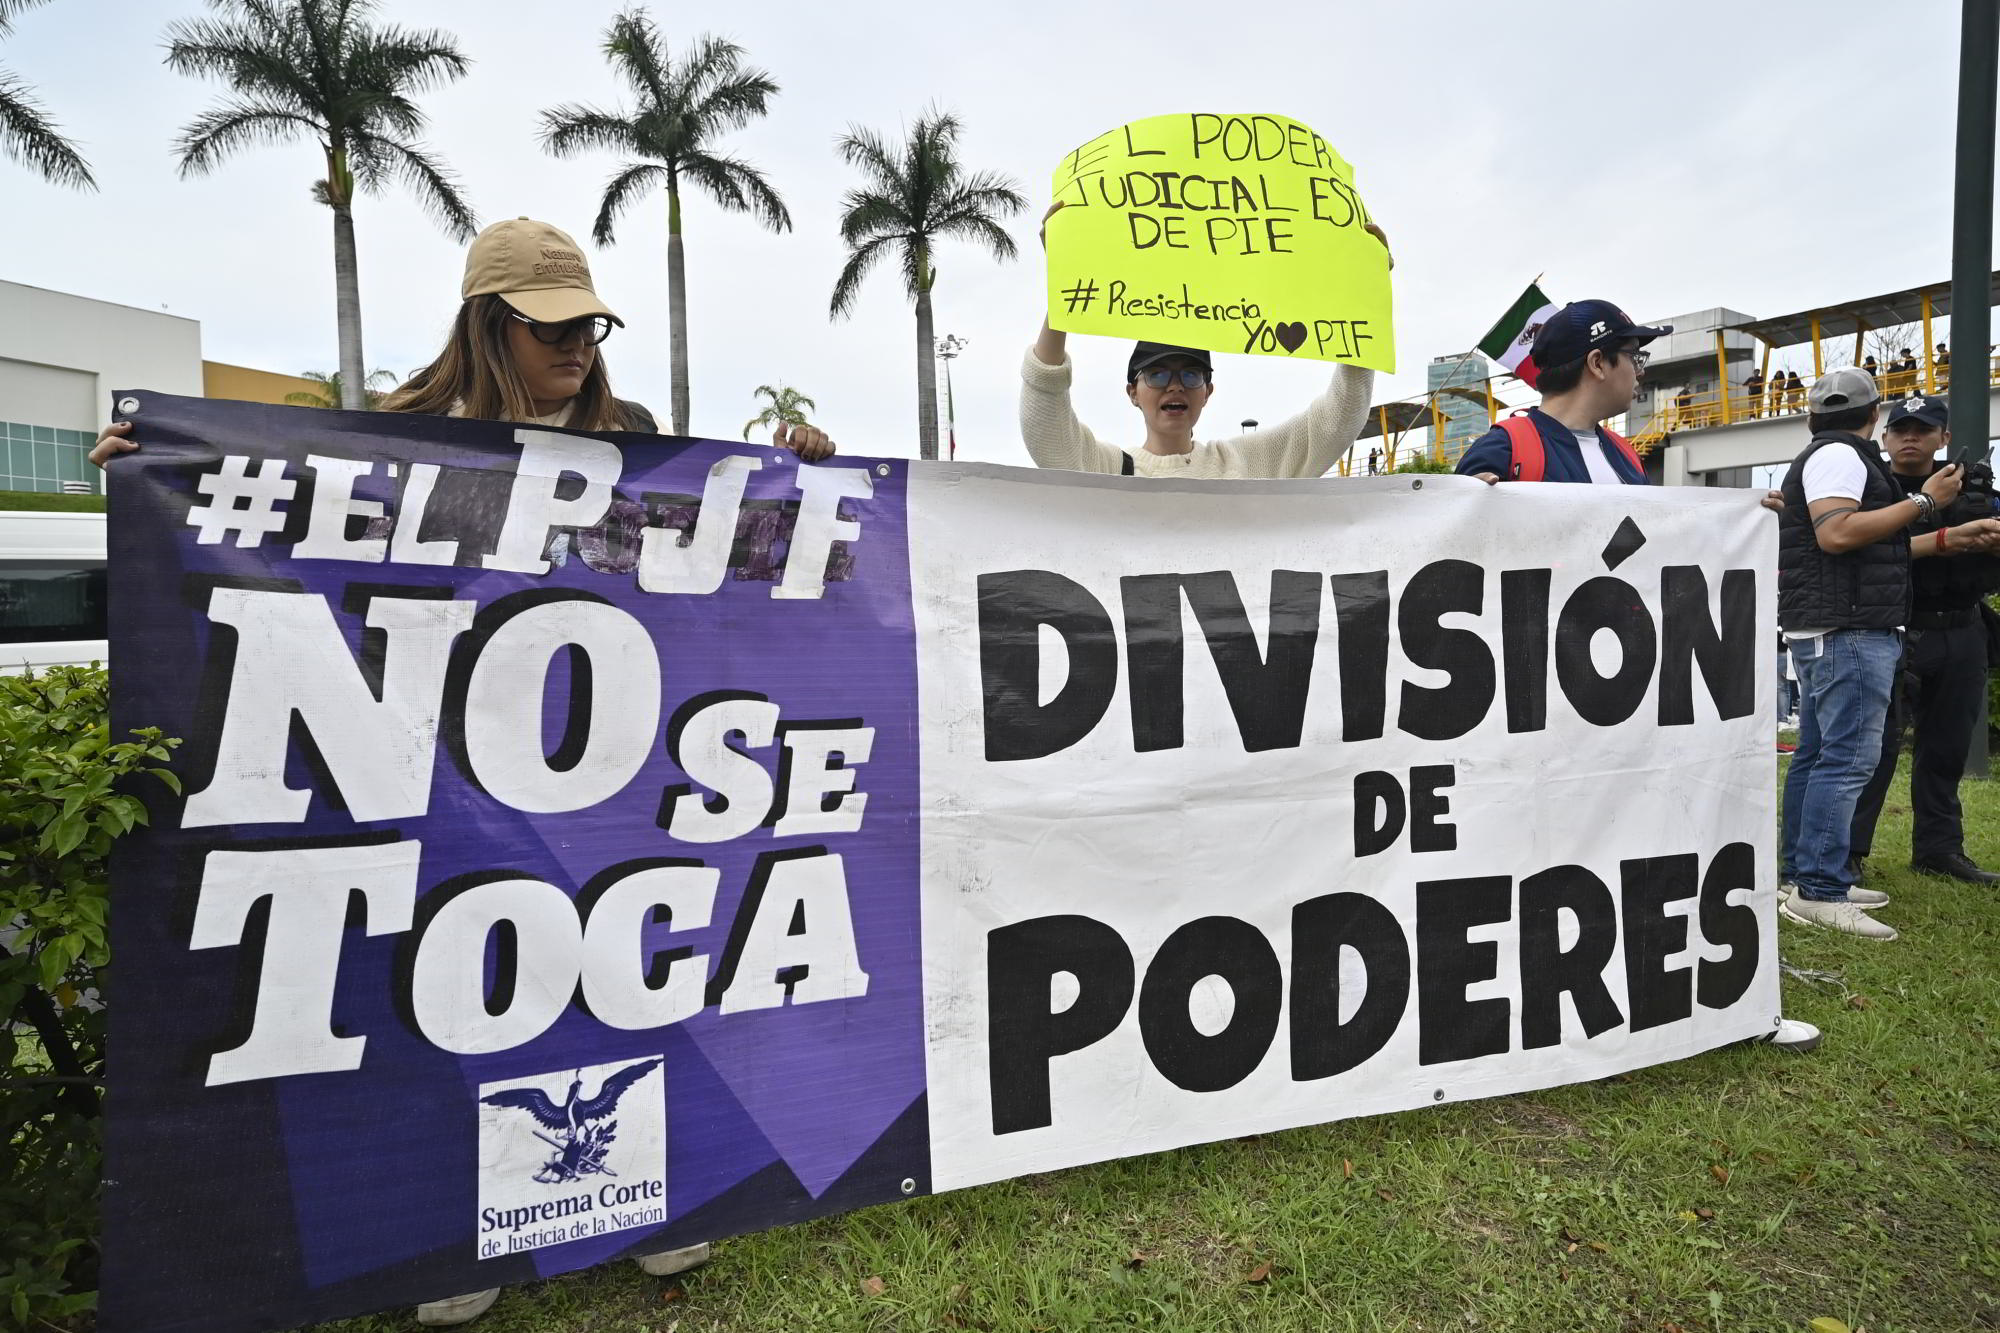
x: 1591, y: 366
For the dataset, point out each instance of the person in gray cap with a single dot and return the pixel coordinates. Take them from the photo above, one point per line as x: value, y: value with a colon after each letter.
x: 1843, y: 598
x: 1944, y: 654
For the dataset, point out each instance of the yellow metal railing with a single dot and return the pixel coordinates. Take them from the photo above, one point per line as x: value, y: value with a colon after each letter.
x: 1727, y: 405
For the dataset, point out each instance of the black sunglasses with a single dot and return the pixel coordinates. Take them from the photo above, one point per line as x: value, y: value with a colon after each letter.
x: 593, y: 329
x: 1189, y: 378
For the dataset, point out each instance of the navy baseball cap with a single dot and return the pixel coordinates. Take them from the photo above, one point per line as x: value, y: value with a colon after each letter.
x: 1931, y: 411
x: 1582, y: 327
x: 1147, y: 354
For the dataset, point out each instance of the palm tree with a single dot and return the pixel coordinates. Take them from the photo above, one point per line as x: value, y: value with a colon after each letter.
x: 332, y: 394
x: 319, y: 70
x: 26, y: 135
x: 682, y: 108
x: 913, y: 197
x: 787, y: 405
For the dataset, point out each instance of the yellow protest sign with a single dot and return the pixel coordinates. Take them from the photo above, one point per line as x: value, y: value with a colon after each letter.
x: 1233, y: 233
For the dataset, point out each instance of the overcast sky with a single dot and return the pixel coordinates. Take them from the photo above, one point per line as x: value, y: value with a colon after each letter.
x: 1671, y: 157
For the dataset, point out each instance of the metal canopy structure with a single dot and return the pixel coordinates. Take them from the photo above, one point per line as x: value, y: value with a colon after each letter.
x: 1850, y: 317
x: 1407, y: 416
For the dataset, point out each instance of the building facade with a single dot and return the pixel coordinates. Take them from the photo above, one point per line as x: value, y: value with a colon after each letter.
x: 62, y: 357
x: 1457, y: 387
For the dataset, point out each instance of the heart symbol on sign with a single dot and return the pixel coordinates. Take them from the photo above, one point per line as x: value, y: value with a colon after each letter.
x: 1291, y: 336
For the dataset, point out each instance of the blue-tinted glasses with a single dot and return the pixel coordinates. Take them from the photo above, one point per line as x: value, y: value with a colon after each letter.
x: 1188, y: 378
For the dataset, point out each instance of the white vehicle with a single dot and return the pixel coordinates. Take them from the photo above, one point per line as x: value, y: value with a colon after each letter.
x: 52, y: 591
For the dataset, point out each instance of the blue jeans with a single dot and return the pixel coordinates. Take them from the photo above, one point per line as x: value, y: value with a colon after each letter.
x: 1844, y: 681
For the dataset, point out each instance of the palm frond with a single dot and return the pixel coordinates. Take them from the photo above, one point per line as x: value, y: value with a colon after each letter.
x: 10, y: 8
x: 736, y: 101
x: 415, y: 61
x: 435, y: 187
x: 250, y: 61
x: 216, y: 133
x: 848, y: 286
x: 739, y: 187
x: 633, y: 48
x: 28, y: 136
x: 618, y: 194
x: 571, y: 128
x: 866, y: 213
x: 864, y: 148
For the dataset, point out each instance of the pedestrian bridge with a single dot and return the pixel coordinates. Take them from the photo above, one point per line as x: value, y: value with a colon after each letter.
x: 1717, y: 398
x: 1692, y: 457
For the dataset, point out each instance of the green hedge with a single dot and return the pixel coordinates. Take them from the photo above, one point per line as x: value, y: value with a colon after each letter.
x: 66, y: 794
x: 76, y: 504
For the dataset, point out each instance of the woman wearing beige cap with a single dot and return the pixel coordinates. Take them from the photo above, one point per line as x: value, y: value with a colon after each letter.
x: 523, y: 348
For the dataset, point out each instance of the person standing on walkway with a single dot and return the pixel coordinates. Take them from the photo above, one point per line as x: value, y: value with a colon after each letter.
x: 1944, y: 655
x: 1843, y: 597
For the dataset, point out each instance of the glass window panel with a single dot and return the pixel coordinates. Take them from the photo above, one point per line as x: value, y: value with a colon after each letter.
x: 48, y: 600
x: 45, y: 459
x: 16, y: 431
x: 22, y: 455
x: 45, y: 434
x: 70, y: 463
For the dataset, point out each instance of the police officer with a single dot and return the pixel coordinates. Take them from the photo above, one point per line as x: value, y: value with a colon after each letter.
x: 1944, y: 658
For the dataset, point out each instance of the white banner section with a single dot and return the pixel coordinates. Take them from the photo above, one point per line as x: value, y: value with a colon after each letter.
x: 1260, y: 804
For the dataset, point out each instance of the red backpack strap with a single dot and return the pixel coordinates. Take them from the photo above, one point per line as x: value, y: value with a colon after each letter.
x: 1525, y: 444
x: 1625, y: 446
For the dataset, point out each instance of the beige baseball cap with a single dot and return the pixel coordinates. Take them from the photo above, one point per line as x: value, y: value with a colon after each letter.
x: 536, y: 269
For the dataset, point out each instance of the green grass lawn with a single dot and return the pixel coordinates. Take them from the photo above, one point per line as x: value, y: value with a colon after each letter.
x: 78, y: 504
x: 1746, y: 1189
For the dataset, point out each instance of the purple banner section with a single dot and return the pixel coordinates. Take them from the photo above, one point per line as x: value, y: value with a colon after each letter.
x: 544, y: 887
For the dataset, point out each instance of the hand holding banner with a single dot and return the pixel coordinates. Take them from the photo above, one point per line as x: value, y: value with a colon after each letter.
x: 1235, y: 233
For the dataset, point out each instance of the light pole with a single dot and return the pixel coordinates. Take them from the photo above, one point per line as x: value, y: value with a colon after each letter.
x: 948, y: 348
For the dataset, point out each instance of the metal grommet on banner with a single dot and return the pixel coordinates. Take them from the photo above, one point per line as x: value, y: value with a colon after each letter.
x: 1438, y: 1096
x: 1416, y: 485
x: 881, y: 469
x: 909, y: 1186
x: 127, y: 406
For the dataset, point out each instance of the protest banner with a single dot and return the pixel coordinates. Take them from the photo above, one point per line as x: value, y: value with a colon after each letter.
x: 594, y: 845
x: 1234, y: 233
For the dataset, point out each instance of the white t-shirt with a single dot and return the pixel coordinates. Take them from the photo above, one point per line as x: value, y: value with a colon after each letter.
x: 1601, y: 472
x: 1835, y: 472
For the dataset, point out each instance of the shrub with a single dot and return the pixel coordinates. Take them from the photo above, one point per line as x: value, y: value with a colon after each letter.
x: 64, y: 798
x: 1419, y: 461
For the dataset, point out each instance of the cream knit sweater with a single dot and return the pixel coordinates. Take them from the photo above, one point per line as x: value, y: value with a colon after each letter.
x: 1302, y: 446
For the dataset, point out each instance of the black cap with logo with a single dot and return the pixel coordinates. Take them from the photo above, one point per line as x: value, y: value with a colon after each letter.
x: 1582, y: 327
x: 1931, y: 411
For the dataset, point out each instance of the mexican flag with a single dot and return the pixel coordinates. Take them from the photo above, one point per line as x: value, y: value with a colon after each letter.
x: 1509, y: 340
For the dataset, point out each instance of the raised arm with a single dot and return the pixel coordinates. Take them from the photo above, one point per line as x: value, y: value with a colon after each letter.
x: 1055, y: 438
x: 1308, y: 444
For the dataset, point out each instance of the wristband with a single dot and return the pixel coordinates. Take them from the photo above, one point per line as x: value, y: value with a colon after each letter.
x: 1925, y: 505
x: 1942, y: 547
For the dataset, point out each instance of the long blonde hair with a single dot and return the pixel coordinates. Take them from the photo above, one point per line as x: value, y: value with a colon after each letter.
x: 474, y: 376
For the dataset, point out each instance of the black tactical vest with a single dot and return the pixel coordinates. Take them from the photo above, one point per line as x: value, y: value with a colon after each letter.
x: 1866, y: 588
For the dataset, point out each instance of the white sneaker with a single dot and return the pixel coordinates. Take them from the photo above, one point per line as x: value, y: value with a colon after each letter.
x: 1867, y: 899
x: 668, y: 1262
x: 1835, y: 916
x: 1792, y: 1035
x: 457, y: 1309
x: 1786, y: 888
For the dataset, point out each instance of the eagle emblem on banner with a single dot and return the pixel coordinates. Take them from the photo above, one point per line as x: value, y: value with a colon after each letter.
x: 582, y: 1129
